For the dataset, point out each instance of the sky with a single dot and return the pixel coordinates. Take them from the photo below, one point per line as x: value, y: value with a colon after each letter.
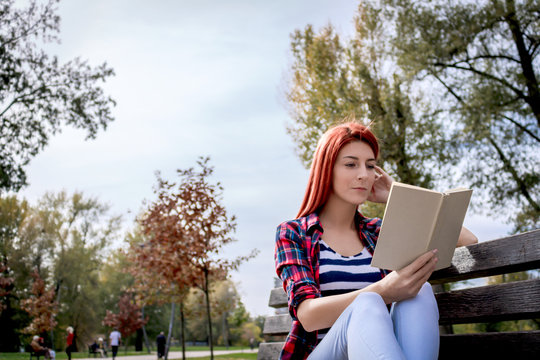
x: 195, y: 78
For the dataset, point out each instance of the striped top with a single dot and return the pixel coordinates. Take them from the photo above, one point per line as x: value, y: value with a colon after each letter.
x: 340, y: 274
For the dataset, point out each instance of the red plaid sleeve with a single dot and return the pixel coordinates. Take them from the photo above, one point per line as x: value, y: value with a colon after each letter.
x: 293, y: 266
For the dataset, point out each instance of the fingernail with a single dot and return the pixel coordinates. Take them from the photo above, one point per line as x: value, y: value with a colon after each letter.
x: 435, y: 251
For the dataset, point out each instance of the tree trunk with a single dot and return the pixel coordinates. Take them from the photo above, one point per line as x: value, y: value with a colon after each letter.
x: 169, y: 335
x: 526, y: 60
x: 147, y: 343
x: 209, y: 317
x: 225, y: 329
x: 182, y: 330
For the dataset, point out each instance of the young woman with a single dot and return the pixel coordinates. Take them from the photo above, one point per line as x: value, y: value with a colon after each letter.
x: 338, y: 302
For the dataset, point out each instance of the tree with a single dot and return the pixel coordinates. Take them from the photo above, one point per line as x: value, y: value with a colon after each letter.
x: 41, y: 306
x: 481, y: 60
x: 151, y: 270
x: 38, y: 94
x: 128, y: 319
x: 81, y: 230
x: 11, y: 215
x: 65, y: 238
x: 6, y: 284
x: 332, y: 79
x: 237, y: 319
x: 225, y: 299
x: 191, y: 226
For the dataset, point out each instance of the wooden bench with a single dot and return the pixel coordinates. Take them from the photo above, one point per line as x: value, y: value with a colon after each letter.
x: 32, y: 353
x: 93, y: 350
x: 507, y: 301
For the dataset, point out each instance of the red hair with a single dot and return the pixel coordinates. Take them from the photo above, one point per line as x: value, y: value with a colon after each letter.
x: 320, y: 175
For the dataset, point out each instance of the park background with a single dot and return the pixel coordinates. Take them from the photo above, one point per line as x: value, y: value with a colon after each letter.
x: 196, y: 78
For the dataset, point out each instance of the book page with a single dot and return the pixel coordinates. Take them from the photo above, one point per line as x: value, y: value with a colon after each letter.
x: 446, y: 233
x: 407, y: 226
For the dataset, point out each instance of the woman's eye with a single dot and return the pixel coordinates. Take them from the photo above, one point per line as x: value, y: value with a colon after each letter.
x: 350, y: 164
x: 370, y: 166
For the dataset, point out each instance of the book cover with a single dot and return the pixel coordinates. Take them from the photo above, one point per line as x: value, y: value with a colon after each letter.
x: 417, y: 220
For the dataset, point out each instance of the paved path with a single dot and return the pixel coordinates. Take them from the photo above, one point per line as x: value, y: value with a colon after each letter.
x: 176, y: 354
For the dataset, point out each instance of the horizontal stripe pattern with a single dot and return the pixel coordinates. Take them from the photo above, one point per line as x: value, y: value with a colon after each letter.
x: 340, y: 274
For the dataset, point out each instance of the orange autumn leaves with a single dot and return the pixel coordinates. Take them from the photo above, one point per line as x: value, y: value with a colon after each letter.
x: 183, y: 232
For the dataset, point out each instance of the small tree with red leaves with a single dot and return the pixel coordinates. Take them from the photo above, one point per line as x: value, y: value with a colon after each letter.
x: 41, y: 306
x: 187, y: 228
x: 129, y: 317
x: 6, y: 285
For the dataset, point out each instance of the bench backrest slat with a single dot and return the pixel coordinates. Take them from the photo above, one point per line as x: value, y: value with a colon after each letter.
x: 511, y: 254
x: 278, y: 298
x: 507, y: 301
x: 277, y: 324
x: 505, y: 345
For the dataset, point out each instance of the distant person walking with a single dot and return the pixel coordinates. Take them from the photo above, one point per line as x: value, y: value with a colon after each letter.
x: 69, y: 341
x: 115, y: 339
x: 161, y: 341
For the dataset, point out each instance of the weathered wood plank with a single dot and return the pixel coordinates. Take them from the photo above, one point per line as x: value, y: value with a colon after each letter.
x: 507, y: 301
x: 277, y: 324
x: 514, y: 253
x: 278, y: 298
x: 269, y: 351
x: 506, y: 345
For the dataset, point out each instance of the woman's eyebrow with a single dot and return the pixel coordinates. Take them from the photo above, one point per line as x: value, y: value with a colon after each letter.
x: 356, y: 158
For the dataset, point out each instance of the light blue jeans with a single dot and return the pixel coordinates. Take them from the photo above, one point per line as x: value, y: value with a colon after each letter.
x: 366, y: 330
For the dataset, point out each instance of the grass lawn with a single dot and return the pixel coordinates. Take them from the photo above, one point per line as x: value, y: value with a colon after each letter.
x: 244, y: 356
x: 61, y: 355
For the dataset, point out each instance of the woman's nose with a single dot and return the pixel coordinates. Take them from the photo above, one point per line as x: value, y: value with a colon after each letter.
x: 362, y: 172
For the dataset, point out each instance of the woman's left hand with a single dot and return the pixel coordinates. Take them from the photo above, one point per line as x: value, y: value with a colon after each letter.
x: 381, y: 186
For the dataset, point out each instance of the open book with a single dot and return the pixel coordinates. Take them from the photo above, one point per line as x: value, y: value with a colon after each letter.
x: 417, y: 220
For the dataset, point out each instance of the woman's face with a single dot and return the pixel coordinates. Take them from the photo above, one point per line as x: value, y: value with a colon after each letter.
x: 354, y: 173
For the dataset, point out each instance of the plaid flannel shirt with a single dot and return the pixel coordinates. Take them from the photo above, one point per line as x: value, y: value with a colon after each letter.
x: 297, y: 265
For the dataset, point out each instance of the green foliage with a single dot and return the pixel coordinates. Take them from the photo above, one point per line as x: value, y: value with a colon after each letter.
x: 231, y: 321
x: 333, y: 80
x: 38, y: 94
x: 65, y: 238
x: 481, y: 60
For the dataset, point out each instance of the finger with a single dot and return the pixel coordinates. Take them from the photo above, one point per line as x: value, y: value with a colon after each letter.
x: 430, y: 267
x: 421, y: 261
x: 379, y: 171
x: 425, y: 272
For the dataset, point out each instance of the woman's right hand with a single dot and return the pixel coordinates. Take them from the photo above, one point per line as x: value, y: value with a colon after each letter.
x: 406, y: 283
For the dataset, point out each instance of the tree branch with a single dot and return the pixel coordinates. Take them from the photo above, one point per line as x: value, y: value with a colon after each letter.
x: 484, y: 74
x: 19, y: 98
x: 525, y: 130
x: 489, y: 56
x: 450, y: 90
x: 32, y: 29
x: 508, y: 166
